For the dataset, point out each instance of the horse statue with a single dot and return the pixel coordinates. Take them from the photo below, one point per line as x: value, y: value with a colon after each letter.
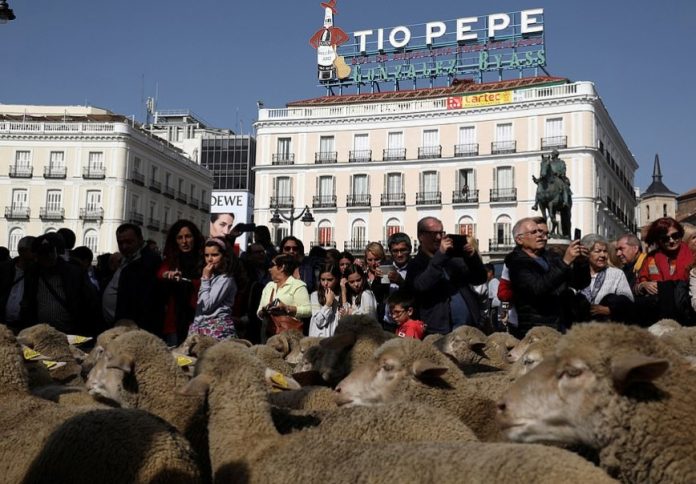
x: 553, y: 195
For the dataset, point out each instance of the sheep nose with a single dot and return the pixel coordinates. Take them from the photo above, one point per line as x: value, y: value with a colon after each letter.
x: 501, y: 406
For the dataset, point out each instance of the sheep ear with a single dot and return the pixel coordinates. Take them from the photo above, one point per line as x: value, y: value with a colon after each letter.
x: 477, y: 346
x: 196, y: 387
x: 121, y: 362
x: 629, y: 369
x: 339, y: 341
x: 427, y: 369
x: 278, y: 380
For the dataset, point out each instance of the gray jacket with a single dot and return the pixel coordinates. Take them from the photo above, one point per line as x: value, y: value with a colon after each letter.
x: 215, y: 298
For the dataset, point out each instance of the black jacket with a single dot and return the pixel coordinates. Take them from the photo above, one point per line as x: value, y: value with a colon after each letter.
x: 426, y: 279
x: 139, y: 298
x: 539, y: 294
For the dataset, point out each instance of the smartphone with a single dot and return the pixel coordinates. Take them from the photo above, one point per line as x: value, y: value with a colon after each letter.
x: 386, y: 269
x: 458, y: 243
x: 577, y: 235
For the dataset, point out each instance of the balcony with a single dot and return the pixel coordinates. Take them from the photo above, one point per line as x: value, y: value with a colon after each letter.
x: 394, y: 154
x: 554, y: 142
x: 362, y: 200
x: 168, y: 192
x: 283, y: 159
x: 324, y: 201
x: 193, y: 202
x: 51, y: 213
x: 393, y: 200
x: 501, y: 244
x: 503, y: 194
x: 355, y: 246
x: 429, y: 152
x: 136, y: 217
x: 94, y: 172
x: 20, y: 171
x: 282, y: 202
x: 467, y: 196
x: 17, y: 212
x: 138, y: 178
x: 59, y: 172
x: 155, y: 186
x: 501, y: 147
x: 181, y: 197
x: 359, y: 156
x: 429, y: 198
x: 325, y: 244
x: 325, y: 157
x: 153, y: 224
x: 205, y: 207
x: 471, y: 149
x: 92, y: 214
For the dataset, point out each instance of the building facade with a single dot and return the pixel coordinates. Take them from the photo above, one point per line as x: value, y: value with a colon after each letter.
x: 90, y: 170
x: 368, y: 165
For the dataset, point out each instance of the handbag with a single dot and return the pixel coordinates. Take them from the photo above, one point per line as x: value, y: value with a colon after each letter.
x: 279, y: 323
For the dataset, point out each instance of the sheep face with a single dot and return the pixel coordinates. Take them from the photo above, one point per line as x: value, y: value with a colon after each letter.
x: 564, y: 399
x: 534, y: 355
x: 533, y: 335
x: 465, y: 345
x: 105, y: 381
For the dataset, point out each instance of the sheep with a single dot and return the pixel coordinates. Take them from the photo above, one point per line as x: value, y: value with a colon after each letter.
x: 535, y: 334
x: 306, y: 398
x: 68, y: 395
x: 474, y: 352
x: 683, y: 340
x: 309, y: 354
x: 271, y: 358
x: 39, y: 439
x: 245, y: 446
x: 616, y: 389
x: 195, y: 345
x: 498, y: 345
x: 664, y: 326
x: 137, y: 370
x: 285, y: 342
x: 411, y: 370
x: 535, y: 354
x: 102, y: 340
x: 53, y: 344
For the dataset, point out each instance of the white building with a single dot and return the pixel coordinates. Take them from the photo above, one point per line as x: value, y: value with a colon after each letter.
x: 90, y: 170
x: 372, y: 164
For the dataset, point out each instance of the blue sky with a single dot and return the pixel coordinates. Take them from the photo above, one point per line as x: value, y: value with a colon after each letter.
x: 218, y: 57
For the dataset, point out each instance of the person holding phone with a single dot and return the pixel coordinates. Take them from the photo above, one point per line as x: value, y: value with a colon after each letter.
x: 441, y: 279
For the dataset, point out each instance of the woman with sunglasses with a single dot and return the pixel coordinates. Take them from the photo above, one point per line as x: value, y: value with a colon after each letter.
x: 668, y: 261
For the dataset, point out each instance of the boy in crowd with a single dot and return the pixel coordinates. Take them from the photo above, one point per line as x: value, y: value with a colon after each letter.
x: 401, y: 308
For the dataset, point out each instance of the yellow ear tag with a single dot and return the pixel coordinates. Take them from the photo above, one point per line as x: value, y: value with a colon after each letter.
x: 183, y: 361
x: 76, y: 340
x: 279, y: 380
x: 29, y: 354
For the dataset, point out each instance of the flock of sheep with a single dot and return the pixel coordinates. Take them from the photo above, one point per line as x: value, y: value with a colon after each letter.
x: 604, y: 402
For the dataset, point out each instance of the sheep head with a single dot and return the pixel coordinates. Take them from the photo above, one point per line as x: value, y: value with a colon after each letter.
x: 535, y: 334
x: 465, y: 345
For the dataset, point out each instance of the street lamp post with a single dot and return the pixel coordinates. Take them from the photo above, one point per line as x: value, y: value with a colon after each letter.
x: 6, y: 13
x: 305, y: 215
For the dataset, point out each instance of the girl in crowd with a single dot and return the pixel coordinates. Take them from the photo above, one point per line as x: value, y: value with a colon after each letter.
x: 180, y: 274
x: 374, y: 255
x: 345, y: 259
x: 326, y: 302
x: 217, y: 293
x: 356, y: 297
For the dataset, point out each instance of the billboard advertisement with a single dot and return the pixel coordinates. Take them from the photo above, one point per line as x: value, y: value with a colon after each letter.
x: 229, y: 208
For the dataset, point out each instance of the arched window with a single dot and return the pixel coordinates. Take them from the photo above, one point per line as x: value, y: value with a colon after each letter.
x: 466, y: 226
x: 503, y: 230
x: 358, y: 235
x: 325, y: 234
x: 91, y: 240
x: 50, y: 230
x: 15, y: 235
x: 393, y: 226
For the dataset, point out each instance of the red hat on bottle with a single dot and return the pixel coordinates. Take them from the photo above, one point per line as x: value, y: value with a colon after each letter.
x: 330, y: 4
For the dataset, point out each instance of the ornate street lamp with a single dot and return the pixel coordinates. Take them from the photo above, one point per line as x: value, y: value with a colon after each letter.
x: 6, y: 13
x: 305, y: 216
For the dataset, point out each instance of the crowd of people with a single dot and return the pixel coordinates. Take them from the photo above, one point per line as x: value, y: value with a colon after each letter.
x: 207, y: 286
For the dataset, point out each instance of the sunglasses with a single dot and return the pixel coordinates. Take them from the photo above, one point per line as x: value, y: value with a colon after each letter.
x: 674, y: 237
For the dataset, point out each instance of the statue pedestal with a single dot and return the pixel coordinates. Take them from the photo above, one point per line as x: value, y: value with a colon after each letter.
x: 558, y: 245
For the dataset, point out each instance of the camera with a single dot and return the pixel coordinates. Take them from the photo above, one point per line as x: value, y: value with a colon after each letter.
x: 242, y: 227
x: 458, y: 243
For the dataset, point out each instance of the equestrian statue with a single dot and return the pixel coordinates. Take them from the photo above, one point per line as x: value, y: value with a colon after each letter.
x: 553, y: 194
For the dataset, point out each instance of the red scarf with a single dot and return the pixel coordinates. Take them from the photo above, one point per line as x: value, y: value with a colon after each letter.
x: 681, y: 273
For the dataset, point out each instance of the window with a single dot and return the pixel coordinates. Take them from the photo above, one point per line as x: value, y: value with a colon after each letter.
x: 503, y: 230
x: 664, y: 210
x: 23, y: 159
x: 326, y: 186
x: 393, y: 226
x: 394, y: 183
x: 168, y: 180
x: 284, y: 148
x: 504, y: 178
x: 153, y: 211
x: 137, y: 164
x: 204, y: 197
x: 93, y: 200
x: 358, y: 233
x: 647, y: 212
x: 154, y: 172
x: 326, y: 144
x: 360, y: 185
x: 429, y: 182
x: 56, y: 159
x: 554, y: 127
x: 282, y: 186
x: 361, y: 142
x: 53, y: 200
x: 181, y: 185
x: 431, y: 138
x: 395, y: 140
x: 135, y: 203
x: 467, y: 135
x: 96, y: 159
x: 20, y: 198
x: 325, y: 233
x: 466, y: 179
x: 466, y: 226
x: 91, y: 240
x: 192, y: 191
x: 16, y: 235
x: 165, y: 220
x: 503, y: 132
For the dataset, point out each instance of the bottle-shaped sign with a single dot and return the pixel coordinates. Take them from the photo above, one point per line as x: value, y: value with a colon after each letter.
x: 326, y: 52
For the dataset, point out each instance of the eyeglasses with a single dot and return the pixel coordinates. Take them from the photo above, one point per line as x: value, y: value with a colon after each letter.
x: 541, y: 232
x: 396, y: 313
x: 399, y: 251
x: 291, y: 248
x: 434, y: 233
x: 674, y: 237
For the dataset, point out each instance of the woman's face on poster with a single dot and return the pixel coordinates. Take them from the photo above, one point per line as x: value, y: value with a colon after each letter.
x: 222, y: 226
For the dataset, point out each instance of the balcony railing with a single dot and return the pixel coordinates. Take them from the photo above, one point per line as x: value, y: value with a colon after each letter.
x: 428, y: 152
x: 501, y: 244
x: 554, y: 142
x: 429, y: 198
x: 393, y: 199
x: 51, y: 213
x: 282, y: 202
x: 15, y: 212
x: 205, y: 206
x: 500, y: 147
x: 55, y: 171
x: 21, y: 171
x: 471, y: 149
x: 168, y: 192
x: 465, y: 196
x: 394, y: 154
x: 326, y: 244
x: 155, y: 186
x: 325, y: 157
x: 359, y: 156
x: 361, y: 200
x: 355, y: 246
x: 181, y: 197
x: 92, y: 213
x: 94, y: 172
x: 153, y: 224
x: 138, y: 178
x: 283, y: 159
x: 503, y: 194
x: 324, y: 201
x: 136, y: 217
x: 193, y: 202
